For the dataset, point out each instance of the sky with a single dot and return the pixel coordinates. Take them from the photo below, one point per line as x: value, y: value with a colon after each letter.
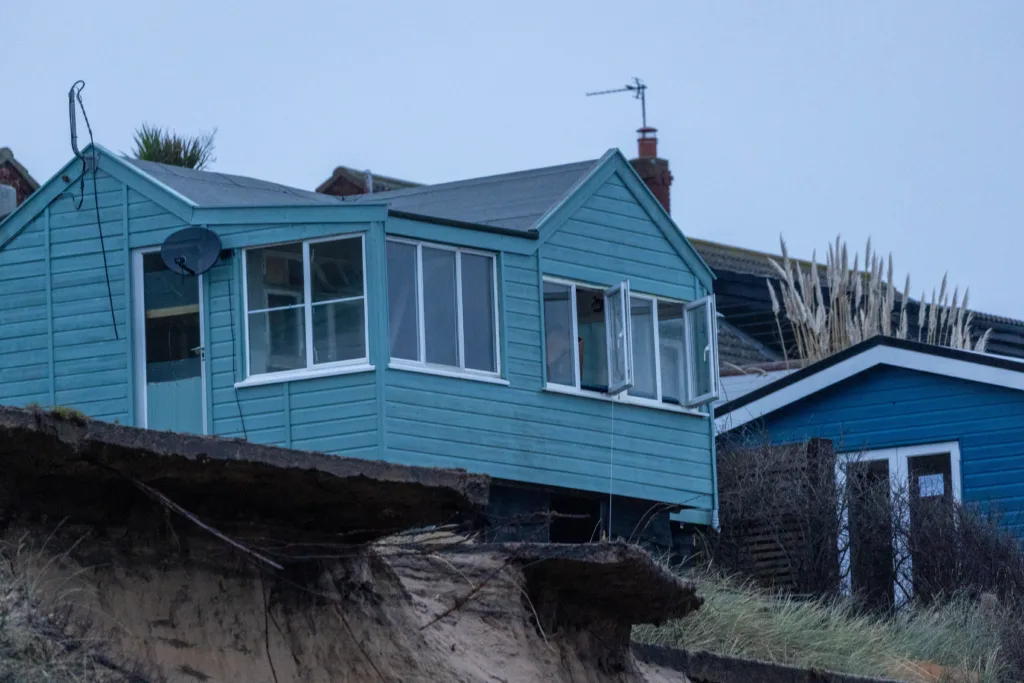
x: 895, y: 120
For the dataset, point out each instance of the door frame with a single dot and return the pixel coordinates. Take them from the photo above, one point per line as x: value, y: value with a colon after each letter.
x: 899, y: 472
x: 139, y: 339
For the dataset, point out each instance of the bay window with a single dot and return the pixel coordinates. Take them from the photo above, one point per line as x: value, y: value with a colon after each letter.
x: 305, y: 305
x: 611, y: 341
x: 442, y: 307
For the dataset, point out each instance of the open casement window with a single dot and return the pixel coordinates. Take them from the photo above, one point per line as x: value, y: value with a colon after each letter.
x: 701, y: 351
x: 647, y: 350
x: 618, y: 338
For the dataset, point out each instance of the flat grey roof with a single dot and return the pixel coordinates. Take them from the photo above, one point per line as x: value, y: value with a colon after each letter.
x: 511, y: 201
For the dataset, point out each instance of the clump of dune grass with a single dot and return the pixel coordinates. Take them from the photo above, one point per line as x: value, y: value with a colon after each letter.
x: 740, y: 620
x: 860, y: 304
x: 38, y: 640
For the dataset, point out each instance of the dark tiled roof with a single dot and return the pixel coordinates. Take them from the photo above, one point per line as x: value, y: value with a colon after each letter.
x: 206, y: 188
x: 744, y: 270
x: 737, y: 260
x: 381, y: 183
x: 737, y: 348
x: 511, y: 201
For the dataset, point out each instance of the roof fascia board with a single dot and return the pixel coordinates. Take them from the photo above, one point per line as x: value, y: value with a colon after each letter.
x: 874, y: 356
x: 574, y: 198
x: 613, y: 163
x: 431, y: 230
x: 659, y: 215
x: 320, y: 213
x: 145, y: 184
x: 480, y: 227
x: 14, y: 223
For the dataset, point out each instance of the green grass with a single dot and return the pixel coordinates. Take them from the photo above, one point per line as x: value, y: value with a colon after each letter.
x: 739, y: 620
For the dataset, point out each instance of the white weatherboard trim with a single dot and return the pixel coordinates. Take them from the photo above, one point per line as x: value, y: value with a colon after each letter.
x: 870, y: 358
x: 899, y: 469
x: 622, y: 398
x: 446, y: 371
x: 345, y: 368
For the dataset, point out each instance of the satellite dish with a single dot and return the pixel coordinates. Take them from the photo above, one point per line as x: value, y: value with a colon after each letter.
x: 191, y: 251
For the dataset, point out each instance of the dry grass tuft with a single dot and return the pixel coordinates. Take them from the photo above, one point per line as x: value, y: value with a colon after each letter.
x: 860, y: 304
x: 37, y: 640
x: 740, y: 620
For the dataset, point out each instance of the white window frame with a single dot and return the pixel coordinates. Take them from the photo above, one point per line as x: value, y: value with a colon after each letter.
x: 711, y: 321
x: 460, y: 370
x: 686, y: 405
x: 899, y: 473
x: 312, y: 368
x: 611, y: 346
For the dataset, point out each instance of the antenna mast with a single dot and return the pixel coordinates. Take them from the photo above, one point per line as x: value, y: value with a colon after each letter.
x: 639, y: 90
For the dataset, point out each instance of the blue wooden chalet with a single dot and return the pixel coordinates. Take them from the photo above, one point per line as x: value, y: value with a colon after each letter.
x: 935, y: 421
x: 552, y: 328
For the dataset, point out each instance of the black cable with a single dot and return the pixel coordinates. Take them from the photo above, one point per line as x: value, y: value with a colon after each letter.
x: 231, y: 329
x: 72, y: 95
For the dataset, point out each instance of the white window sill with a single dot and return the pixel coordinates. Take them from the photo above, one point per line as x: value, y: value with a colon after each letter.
x: 624, y: 398
x: 447, y: 372
x: 305, y: 373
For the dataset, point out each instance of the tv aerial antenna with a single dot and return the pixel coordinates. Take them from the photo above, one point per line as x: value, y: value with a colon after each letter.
x: 639, y: 90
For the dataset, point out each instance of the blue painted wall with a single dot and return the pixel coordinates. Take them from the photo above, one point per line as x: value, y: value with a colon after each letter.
x: 57, y: 341
x: 523, y: 433
x: 57, y: 345
x: 887, y: 406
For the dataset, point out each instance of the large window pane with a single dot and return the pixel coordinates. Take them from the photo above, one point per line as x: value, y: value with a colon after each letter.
x: 592, y: 341
x: 673, y: 356
x: 478, y: 312
x: 439, y: 307
x: 644, y: 378
x: 339, y: 332
x: 336, y: 269
x: 700, y: 351
x: 172, y: 322
x: 277, y: 340
x: 620, y: 361
x: 558, y: 334
x: 276, y: 269
x: 403, y: 306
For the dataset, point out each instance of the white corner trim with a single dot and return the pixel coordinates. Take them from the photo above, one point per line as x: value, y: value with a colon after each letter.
x: 304, y: 373
x: 455, y: 373
x: 623, y: 398
x: 876, y: 355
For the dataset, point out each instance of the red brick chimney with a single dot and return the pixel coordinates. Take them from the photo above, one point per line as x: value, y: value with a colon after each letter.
x: 651, y: 169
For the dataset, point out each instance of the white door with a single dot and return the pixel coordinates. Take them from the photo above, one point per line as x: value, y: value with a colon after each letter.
x: 170, y: 368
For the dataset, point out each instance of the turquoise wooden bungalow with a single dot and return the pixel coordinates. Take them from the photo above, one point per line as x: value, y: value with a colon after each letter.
x: 935, y: 421
x: 551, y: 328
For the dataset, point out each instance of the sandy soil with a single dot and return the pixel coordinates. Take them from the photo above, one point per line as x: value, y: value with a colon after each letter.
x: 379, y: 614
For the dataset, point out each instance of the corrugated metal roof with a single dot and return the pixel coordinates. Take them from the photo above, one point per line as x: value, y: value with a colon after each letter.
x: 732, y: 387
x: 206, y: 188
x: 512, y: 201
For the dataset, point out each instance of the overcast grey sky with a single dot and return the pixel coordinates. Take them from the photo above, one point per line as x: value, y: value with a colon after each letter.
x: 899, y: 120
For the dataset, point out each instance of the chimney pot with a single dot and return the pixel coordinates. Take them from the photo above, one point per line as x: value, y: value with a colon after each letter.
x: 651, y: 169
x: 647, y: 143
